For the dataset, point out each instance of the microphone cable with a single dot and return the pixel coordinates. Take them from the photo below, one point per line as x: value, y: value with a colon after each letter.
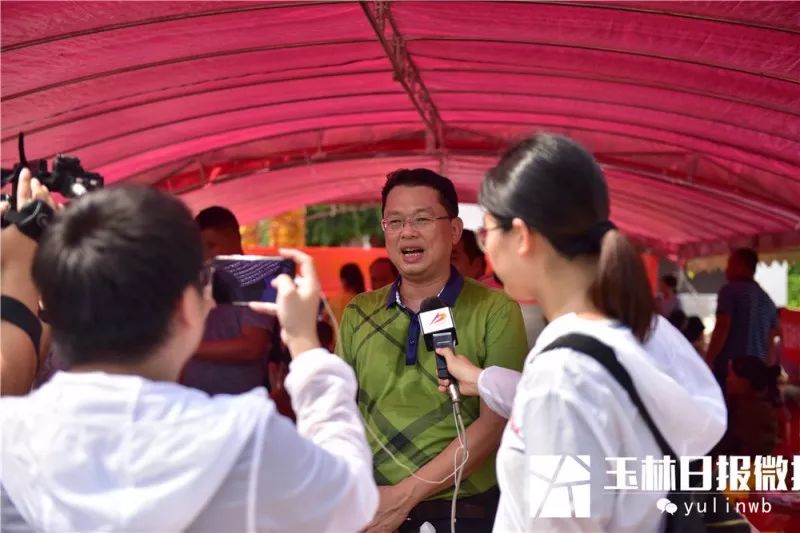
x: 458, y: 466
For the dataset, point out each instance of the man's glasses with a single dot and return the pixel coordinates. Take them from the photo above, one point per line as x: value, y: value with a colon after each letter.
x: 419, y: 223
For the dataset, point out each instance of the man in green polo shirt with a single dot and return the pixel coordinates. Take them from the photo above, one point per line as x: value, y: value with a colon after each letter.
x: 398, y: 395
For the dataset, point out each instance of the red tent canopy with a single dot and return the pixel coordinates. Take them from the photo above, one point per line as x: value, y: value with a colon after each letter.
x: 692, y: 108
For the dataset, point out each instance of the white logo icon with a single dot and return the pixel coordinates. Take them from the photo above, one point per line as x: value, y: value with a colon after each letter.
x: 436, y: 320
x: 664, y: 505
x: 559, y: 486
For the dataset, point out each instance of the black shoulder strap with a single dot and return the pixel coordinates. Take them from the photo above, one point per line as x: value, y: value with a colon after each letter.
x: 604, y: 355
x: 16, y: 312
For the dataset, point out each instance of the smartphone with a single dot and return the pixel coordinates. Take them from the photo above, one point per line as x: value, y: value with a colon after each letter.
x: 239, y: 279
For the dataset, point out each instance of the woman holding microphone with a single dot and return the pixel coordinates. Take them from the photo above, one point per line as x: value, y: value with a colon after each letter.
x: 549, y: 238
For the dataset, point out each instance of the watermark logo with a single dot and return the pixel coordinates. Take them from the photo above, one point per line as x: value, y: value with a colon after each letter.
x: 666, y: 506
x: 762, y: 473
x: 560, y: 486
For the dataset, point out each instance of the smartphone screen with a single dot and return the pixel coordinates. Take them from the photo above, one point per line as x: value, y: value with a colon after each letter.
x: 239, y: 279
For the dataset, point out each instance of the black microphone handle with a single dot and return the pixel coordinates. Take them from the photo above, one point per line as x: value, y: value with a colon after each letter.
x: 443, y: 373
x: 441, y: 368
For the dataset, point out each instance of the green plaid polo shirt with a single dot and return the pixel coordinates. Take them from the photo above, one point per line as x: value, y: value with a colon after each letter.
x: 398, y: 392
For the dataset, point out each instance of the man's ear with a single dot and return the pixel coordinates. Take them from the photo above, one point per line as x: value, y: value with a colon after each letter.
x: 457, y: 225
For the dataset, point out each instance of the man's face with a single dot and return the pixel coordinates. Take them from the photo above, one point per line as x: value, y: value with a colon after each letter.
x: 471, y: 269
x: 381, y: 274
x: 220, y: 242
x: 419, y: 253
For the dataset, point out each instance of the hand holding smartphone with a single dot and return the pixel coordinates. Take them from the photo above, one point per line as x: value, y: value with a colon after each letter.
x: 297, y: 303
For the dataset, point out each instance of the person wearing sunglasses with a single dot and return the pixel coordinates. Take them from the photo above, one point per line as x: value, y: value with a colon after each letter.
x: 115, y: 444
x: 548, y: 235
x: 380, y: 337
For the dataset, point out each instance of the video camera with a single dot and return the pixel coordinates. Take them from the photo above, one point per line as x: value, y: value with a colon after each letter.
x: 67, y: 178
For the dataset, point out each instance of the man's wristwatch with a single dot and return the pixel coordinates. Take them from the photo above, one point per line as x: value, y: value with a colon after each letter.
x: 32, y: 219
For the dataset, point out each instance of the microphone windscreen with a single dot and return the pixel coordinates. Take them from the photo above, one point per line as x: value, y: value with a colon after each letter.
x: 431, y: 303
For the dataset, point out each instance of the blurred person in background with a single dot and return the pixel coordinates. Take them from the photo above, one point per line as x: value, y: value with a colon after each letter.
x: 352, y: 281
x: 237, y: 341
x: 382, y: 272
x: 747, y: 319
x: 694, y: 330
x: 667, y: 300
x: 470, y: 260
x: 467, y: 256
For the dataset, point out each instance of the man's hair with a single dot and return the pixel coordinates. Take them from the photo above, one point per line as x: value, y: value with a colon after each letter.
x: 218, y: 218
x: 111, y: 269
x: 747, y: 257
x: 670, y: 281
x: 422, y: 177
x: 471, y: 247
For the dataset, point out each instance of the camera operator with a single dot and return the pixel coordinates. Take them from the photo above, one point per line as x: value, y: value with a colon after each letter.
x: 118, y: 445
x: 23, y: 338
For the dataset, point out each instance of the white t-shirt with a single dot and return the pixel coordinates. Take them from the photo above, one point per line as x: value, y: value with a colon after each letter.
x: 566, y: 403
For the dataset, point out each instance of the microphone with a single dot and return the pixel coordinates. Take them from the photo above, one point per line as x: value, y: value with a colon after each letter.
x: 439, y: 331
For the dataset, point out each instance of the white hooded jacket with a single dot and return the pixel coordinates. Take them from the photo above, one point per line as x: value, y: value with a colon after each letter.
x: 566, y: 403
x: 100, y: 452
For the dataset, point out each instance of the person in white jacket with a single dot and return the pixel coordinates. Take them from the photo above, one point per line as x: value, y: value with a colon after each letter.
x: 548, y: 236
x: 114, y: 444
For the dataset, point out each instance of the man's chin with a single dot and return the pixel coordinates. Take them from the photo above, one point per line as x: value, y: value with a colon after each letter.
x: 413, y: 270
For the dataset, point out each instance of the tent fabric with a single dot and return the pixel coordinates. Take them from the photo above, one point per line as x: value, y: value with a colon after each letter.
x: 692, y: 108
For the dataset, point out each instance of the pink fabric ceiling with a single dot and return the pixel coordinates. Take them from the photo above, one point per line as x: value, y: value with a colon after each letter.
x: 692, y: 108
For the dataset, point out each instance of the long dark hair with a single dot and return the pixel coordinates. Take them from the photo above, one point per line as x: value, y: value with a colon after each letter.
x: 557, y: 188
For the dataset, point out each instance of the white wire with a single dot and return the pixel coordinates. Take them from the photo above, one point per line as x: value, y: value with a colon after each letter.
x: 411, y: 472
x: 458, y: 468
x: 461, y: 433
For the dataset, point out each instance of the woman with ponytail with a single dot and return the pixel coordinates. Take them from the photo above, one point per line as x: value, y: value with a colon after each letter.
x: 548, y: 233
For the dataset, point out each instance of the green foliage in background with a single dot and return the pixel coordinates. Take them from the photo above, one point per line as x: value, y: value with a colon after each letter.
x: 263, y: 232
x: 338, y: 224
x: 794, y: 286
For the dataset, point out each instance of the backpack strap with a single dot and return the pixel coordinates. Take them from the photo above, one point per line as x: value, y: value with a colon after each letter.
x: 723, y: 519
x: 604, y: 355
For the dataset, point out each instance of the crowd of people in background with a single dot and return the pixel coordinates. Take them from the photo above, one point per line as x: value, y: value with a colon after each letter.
x: 743, y: 352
